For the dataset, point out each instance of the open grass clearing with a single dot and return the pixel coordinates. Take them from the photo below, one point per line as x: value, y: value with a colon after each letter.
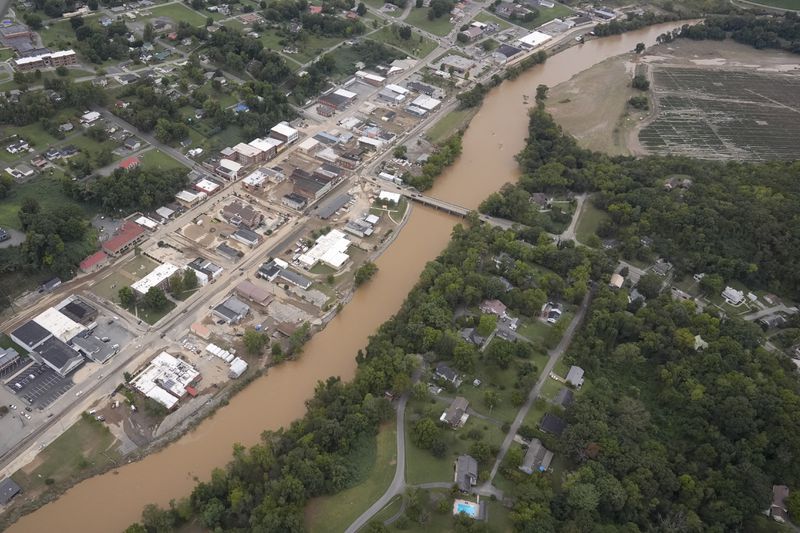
x: 418, y: 45
x: 484, y: 16
x: 448, y: 125
x: 419, y: 18
x: 375, y: 461
x: 179, y: 13
x: 156, y: 159
x: 546, y: 15
x: 590, y: 219
x: 86, y: 444
x: 44, y: 189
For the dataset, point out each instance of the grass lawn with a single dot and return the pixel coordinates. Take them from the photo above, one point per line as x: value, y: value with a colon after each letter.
x: 483, y: 16
x: 271, y: 40
x: 376, y: 463
x: 390, y: 510
x: 150, y: 316
x: 550, y: 389
x: 46, y: 190
x: 180, y: 13
x: 158, y: 159
x: 419, y: 18
x: 417, y: 45
x: 534, y: 329
x: 450, y: 124
x: 6, y: 54
x: 590, y: 220
x: 87, y: 443
x: 314, y: 46
x: 396, y: 212
x: 546, y: 15
x: 783, y: 4
x: 60, y: 32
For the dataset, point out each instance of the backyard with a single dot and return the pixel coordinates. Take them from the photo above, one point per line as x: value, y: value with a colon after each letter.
x: 590, y: 219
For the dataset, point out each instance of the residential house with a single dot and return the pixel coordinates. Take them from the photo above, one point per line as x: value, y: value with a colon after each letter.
x: 616, y: 281
x: 494, y: 307
x: 466, y: 472
x: 564, y: 397
x: 552, y: 424
x: 446, y: 373
x: 778, y: 510
x: 471, y: 335
x: 132, y: 143
x: 456, y: 415
x: 537, y: 458
x: 575, y: 376
x: 662, y: 268
x: 732, y: 296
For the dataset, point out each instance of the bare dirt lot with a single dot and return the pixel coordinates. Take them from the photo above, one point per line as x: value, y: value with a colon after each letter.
x: 723, y: 101
x: 592, y: 106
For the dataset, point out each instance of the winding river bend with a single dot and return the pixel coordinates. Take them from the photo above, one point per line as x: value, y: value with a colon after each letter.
x: 113, y: 501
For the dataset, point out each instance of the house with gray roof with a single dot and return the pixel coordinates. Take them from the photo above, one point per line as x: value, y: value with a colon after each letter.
x: 537, y: 458
x: 466, y: 472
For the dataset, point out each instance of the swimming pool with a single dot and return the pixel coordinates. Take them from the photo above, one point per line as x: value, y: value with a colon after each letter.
x: 468, y: 508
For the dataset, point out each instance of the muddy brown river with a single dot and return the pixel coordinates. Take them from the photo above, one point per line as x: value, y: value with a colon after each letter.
x: 113, y: 501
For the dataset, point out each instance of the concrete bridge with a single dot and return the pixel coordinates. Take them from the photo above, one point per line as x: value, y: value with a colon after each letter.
x: 454, y: 209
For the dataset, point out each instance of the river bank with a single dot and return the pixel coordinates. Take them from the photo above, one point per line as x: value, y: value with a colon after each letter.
x: 494, y: 137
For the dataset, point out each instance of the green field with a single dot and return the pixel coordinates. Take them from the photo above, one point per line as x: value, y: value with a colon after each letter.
x: 483, y: 16
x: 178, y: 13
x: 6, y: 54
x: 419, y: 18
x: 45, y: 189
x: 156, y: 159
x: 546, y: 15
x: 450, y: 124
x: 375, y: 463
x: 58, y: 33
x: 590, y: 220
x: 86, y: 444
x: 418, y: 45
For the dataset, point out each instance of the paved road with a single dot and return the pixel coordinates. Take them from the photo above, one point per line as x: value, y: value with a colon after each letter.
x: 398, y: 485
x: 771, y: 311
x: 555, y: 354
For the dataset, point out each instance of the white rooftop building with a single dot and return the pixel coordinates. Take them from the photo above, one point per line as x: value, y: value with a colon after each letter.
x: 61, y: 326
x: 534, y: 39
x: 165, y: 379
x: 426, y: 102
x: 329, y: 249
x: 148, y: 223
x: 238, y: 367
x: 284, y: 132
x: 255, y: 178
x: 390, y: 196
x: 90, y: 117
x: 265, y: 144
x: 732, y: 296
x: 156, y: 278
x: 230, y: 165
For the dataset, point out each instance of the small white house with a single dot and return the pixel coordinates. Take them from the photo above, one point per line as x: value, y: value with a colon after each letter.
x: 732, y: 296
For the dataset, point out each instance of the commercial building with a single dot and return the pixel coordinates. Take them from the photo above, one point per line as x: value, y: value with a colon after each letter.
x: 284, y: 132
x: 237, y: 368
x: 247, y: 154
x: 457, y: 64
x: 370, y: 78
x: 329, y: 249
x: 205, y: 270
x: 533, y: 39
x: 59, y: 356
x: 30, y: 335
x: 268, y: 147
x: 294, y: 201
x: 93, y: 262
x: 159, y: 277
x: 426, y: 102
x: 255, y: 180
x: 61, y: 58
x: 231, y: 253
x: 58, y: 324
x: 228, y: 169
x: 77, y: 310
x: 128, y: 236
x: 165, y: 379
x: 309, y: 187
x: 9, y: 359
x: 190, y: 199
x: 231, y: 311
x: 240, y: 213
x: 147, y: 223
x: 253, y: 293
x: 472, y: 33
x: 308, y: 146
x: 246, y: 237
x: 206, y: 186
x: 338, y: 99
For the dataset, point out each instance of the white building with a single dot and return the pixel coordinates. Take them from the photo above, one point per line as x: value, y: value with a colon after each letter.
x: 308, y: 146
x: 157, y: 278
x: 148, y: 223
x: 732, y: 296
x: 165, y: 379
x: 188, y: 198
x: 329, y: 249
x: 390, y: 196
x: 284, y: 132
x: 60, y: 325
x: 534, y: 39
x: 229, y: 168
x: 238, y: 367
x: 90, y: 117
x: 426, y: 102
x: 255, y: 179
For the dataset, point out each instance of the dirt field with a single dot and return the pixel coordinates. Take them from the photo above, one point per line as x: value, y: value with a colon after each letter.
x: 723, y: 101
x: 592, y: 106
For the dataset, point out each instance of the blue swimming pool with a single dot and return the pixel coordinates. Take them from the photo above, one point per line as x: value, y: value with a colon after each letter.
x: 470, y: 509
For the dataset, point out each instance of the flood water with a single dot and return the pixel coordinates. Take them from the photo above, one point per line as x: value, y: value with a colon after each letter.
x: 114, y: 500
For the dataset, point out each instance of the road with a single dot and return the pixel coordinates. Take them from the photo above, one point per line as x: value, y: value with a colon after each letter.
x: 555, y: 354
x: 569, y: 233
x: 398, y: 484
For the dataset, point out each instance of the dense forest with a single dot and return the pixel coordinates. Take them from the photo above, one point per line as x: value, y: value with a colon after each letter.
x: 738, y: 220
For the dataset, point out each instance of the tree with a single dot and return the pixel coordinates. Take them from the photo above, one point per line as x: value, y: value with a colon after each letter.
x: 361, y: 10
x: 404, y: 32
x: 490, y: 399
x: 424, y: 433
x: 639, y: 48
x: 126, y: 296
x: 365, y: 273
x: 541, y: 92
x: 33, y: 20
x: 189, y: 279
x: 155, y: 299
x: 640, y: 82
x: 650, y: 285
x: 176, y: 283
x: 400, y: 151
x: 487, y: 325
x: 712, y: 284
x: 793, y: 504
x: 254, y: 341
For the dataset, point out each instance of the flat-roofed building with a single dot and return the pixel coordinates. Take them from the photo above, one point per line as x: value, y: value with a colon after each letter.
x: 59, y: 356
x: 253, y: 293
x: 77, y: 309
x: 247, y: 154
x: 9, y: 359
x: 284, y: 132
x: 533, y: 40
x: 459, y: 65
x: 370, y: 78
x: 165, y: 379
x: 128, y: 236
x: 246, y: 237
x: 30, y: 335
x: 60, y: 325
x: 256, y: 179
x: 61, y: 58
x: 189, y: 198
x: 269, y: 147
x: 232, y: 310
x: 228, y: 169
x: 159, y: 277
x: 294, y: 201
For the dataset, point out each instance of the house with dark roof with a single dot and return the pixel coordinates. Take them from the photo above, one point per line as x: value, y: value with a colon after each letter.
x: 246, y: 237
x: 58, y: 356
x: 231, y: 253
x: 553, y: 424
x: 30, y: 335
x: 537, y: 458
x: 79, y: 310
x: 9, y: 360
x: 232, y: 310
x: 471, y: 335
x: 8, y: 489
x: 456, y: 415
x: 778, y: 510
x: 564, y: 397
x: 446, y: 373
x: 466, y: 472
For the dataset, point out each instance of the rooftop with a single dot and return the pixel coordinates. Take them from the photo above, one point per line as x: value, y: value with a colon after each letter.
x: 158, y: 275
x: 129, y: 232
x: 30, y: 333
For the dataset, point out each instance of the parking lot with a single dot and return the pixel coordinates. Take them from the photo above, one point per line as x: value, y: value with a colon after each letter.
x: 38, y: 386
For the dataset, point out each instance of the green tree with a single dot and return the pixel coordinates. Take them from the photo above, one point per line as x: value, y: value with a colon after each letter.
x: 361, y: 10
x: 365, y: 273
x: 640, y: 82
x: 189, y: 279
x: 486, y: 325
x: 650, y: 285
x: 149, y: 33
x: 254, y: 341
x: 541, y: 92
x: 404, y: 32
x: 126, y: 296
x: 712, y: 284
x: 490, y: 399
x: 639, y: 48
x: 155, y: 299
x: 424, y: 433
x: 176, y: 283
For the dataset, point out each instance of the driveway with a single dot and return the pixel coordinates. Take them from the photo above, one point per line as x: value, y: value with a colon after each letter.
x: 17, y: 237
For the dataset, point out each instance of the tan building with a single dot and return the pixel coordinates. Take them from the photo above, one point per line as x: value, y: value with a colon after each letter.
x: 61, y: 58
